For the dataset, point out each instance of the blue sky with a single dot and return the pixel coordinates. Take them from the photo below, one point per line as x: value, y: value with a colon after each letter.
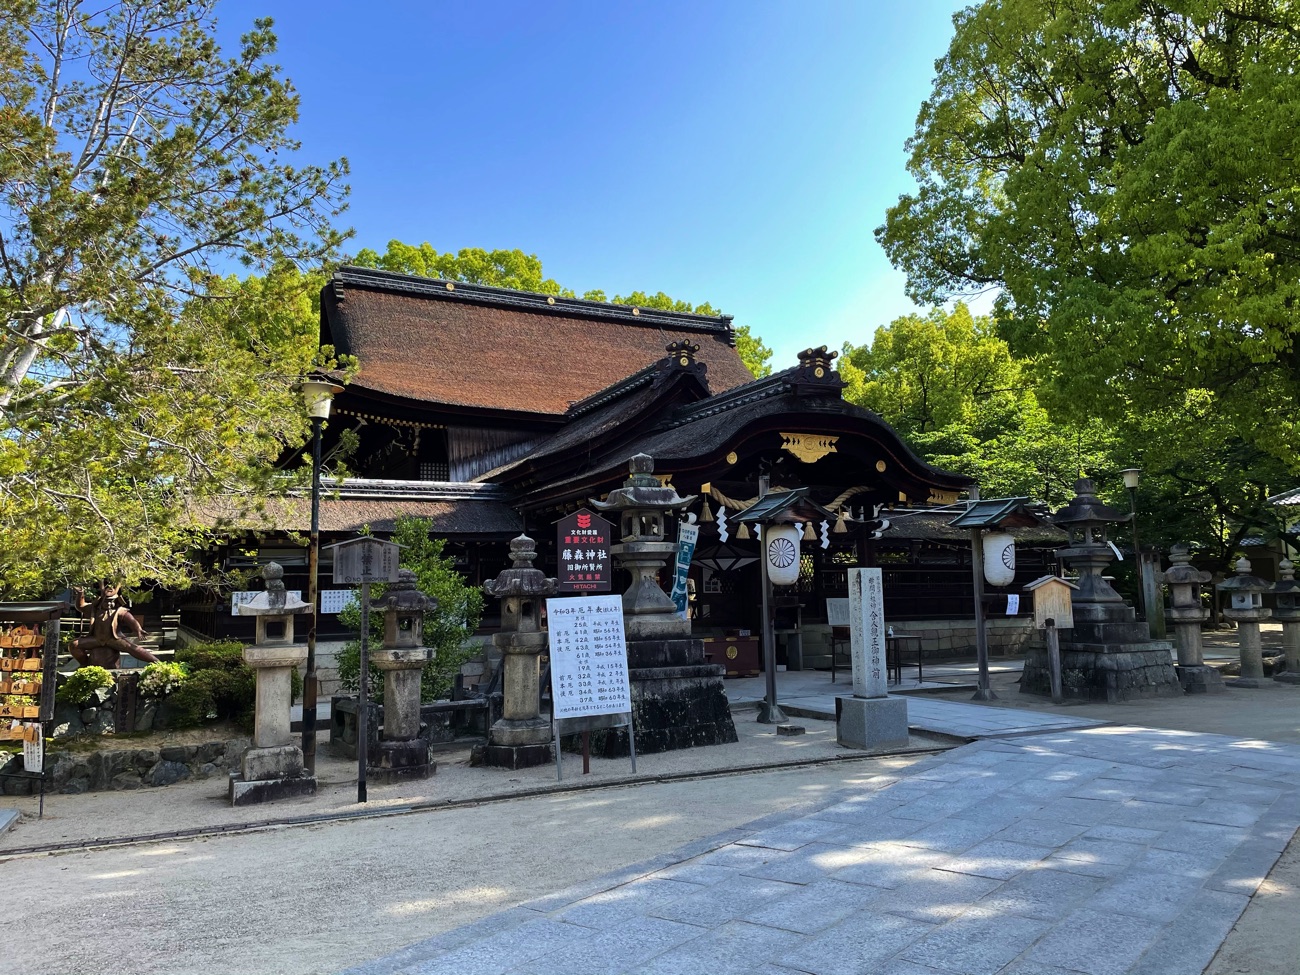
x: 739, y: 153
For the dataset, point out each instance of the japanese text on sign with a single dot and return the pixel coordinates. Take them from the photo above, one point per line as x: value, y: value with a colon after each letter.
x: 588, y: 656
x: 582, y: 552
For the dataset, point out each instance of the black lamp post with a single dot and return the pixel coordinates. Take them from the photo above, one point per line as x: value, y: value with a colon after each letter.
x: 1131, y: 477
x: 317, y: 394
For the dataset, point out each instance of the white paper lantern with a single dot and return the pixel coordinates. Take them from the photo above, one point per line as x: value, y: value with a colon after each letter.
x: 781, y: 546
x: 999, y: 559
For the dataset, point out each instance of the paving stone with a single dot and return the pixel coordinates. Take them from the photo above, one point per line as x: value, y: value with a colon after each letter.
x: 812, y: 863
x: 741, y: 857
x: 507, y: 950
x: 1096, y: 944
x: 1245, y: 869
x: 611, y: 907
x: 1112, y: 789
x: 1145, y: 815
x: 1226, y: 813
x: 632, y: 942
x: 1195, y: 865
x: 701, y: 874
x: 735, y: 948
x: 1142, y: 893
x: 976, y: 945
x: 890, y: 865
x: 998, y: 859
x: 1190, y: 942
x: 1202, y: 838
x: 1100, y: 851
x: 792, y: 835
x: 935, y: 896
x: 710, y: 907
x: 1125, y: 834
x: 866, y: 810
x: 1002, y: 809
x: 424, y: 950
x: 951, y: 835
x: 815, y: 906
x: 1044, y: 895
x: 1033, y: 968
x: 880, y: 830
x: 860, y: 943
x: 1039, y: 832
x: 1081, y: 812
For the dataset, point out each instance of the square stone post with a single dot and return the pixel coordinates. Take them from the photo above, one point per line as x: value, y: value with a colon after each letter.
x: 870, y: 718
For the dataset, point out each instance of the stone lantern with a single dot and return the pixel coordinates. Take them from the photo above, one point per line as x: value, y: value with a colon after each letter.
x: 1247, y: 610
x: 1287, y: 611
x: 273, y: 767
x: 402, y: 754
x: 1086, y: 519
x: 1107, y: 654
x: 641, y: 505
x: 521, y: 737
x: 1184, y: 581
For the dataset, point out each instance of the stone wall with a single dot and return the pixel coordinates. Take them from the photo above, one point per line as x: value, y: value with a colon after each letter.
x: 940, y: 639
x: 127, y: 768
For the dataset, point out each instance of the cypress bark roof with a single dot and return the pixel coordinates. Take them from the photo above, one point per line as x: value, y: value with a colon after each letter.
x: 468, y: 346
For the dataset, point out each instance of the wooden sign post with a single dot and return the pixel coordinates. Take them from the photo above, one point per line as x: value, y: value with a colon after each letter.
x: 590, y: 687
x: 363, y: 561
x: 1053, y: 612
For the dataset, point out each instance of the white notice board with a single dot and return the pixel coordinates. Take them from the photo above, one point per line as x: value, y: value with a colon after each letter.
x: 588, y: 657
x: 237, y: 599
x: 334, y: 600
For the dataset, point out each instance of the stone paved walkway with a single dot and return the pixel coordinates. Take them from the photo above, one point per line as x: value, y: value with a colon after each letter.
x: 1101, y: 851
x: 970, y: 721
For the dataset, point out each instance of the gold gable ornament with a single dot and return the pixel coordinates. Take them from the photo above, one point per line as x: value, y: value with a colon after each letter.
x: 808, y: 447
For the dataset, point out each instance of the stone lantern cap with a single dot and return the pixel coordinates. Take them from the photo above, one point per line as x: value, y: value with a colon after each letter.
x: 1287, y: 585
x: 521, y: 579
x: 274, y: 601
x: 1182, y: 572
x: 643, y: 490
x: 1243, y: 581
x: 1085, y: 509
x: 403, y: 598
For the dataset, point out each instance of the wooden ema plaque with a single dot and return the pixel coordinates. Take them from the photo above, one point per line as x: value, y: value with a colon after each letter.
x: 23, y: 658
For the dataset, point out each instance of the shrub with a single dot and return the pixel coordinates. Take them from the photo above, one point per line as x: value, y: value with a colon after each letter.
x: 190, y: 705
x: 159, y: 679
x: 77, y: 687
x: 224, y: 655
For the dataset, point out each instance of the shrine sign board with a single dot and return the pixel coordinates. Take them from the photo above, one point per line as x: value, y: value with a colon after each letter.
x: 588, y: 651
x: 582, y: 542
x: 364, y: 560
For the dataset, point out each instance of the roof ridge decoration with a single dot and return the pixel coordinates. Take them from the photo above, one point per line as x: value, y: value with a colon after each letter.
x: 480, y: 294
x: 680, y: 358
x: 815, y: 373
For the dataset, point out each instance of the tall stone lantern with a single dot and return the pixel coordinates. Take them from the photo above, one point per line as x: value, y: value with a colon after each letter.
x: 273, y: 767
x: 1184, y: 581
x: 641, y: 505
x: 521, y: 737
x: 1107, y: 654
x: 1247, y: 610
x: 1287, y: 610
x: 402, y: 754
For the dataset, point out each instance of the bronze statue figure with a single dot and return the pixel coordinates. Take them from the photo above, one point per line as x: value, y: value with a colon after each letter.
x: 109, y: 618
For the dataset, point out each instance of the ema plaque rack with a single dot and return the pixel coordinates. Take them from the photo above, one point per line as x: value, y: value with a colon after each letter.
x: 29, y: 651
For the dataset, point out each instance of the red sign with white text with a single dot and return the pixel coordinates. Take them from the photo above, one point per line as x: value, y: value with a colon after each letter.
x: 582, y: 552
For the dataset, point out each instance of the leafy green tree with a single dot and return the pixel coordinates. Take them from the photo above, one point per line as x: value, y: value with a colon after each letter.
x: 523, y: 272
x: 135, y: 160
x: 952, y: 389
x: 1124, y: 172
x: 446, y: 630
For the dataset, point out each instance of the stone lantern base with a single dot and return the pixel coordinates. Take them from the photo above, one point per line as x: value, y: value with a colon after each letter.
x: 1109, y: 661
x: 677, y: 700
x: 512, y: 756
x: 400, y: 761
x: 1200, y: 679
x: 267, y: 774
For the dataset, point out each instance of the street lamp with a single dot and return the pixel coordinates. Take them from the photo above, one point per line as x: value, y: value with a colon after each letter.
x: 317, y: 394
x: 1131, y: 477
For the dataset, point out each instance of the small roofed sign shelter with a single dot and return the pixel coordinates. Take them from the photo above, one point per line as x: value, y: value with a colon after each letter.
x: 1053, y: 611
x: 981, y: 516
x: 780, y: 551
x: 361, y: 561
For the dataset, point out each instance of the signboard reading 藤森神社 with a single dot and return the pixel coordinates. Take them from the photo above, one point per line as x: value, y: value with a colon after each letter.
x: 582, y: 552
x: 588, y: 654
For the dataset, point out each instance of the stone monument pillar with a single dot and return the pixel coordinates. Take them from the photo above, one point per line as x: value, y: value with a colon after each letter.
x: 870, y: 718
x: 1107, y: 654
x: 1288, y: 611
x: 273, y: 767
x: 402, y: 753
x: 677, y: 698
x: 1185, y: 609
x: 521, y: 737
x: 1247, y: 611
